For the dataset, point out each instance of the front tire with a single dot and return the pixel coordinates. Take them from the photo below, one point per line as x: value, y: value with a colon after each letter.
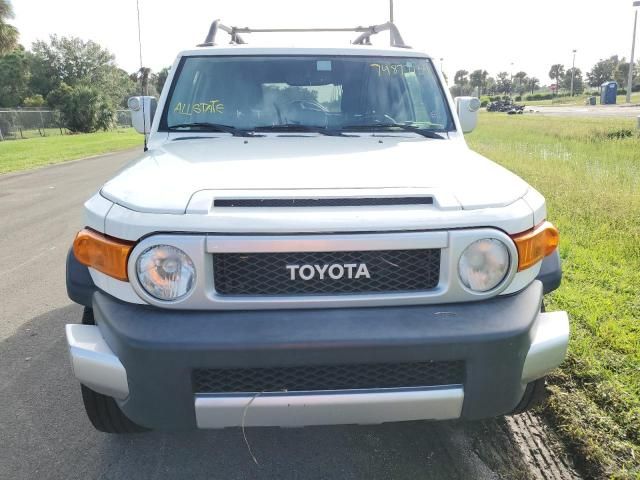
x: 103, y: 411
x: 105, y: 415
x: 535, y: 395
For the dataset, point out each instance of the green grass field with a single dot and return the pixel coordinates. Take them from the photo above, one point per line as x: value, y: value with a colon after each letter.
x: 34, y: 152
x: 590, y: 175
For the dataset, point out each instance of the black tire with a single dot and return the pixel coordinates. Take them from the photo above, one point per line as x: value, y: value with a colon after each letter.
x: 534, y: 396
x: 105, y: 415
x: 102, y: 410
x: 87, y: 316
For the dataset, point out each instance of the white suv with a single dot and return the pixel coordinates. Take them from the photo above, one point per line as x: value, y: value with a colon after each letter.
x: 308, y: 240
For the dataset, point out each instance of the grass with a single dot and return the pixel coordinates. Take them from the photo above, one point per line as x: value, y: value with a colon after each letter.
x: 580, y: 100
x: 589, y: 171
x: 18, y: 155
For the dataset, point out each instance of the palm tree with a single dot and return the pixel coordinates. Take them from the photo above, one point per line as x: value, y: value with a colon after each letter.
x: 521, y: 79
x: 8, y: 33
x: 557, y: 73
x: 532, y: 84
x: 478, y: 79
x: 143, y: 75
x: 460, y: 78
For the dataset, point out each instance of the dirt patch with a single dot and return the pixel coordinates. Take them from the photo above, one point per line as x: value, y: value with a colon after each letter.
x: 540, y: 448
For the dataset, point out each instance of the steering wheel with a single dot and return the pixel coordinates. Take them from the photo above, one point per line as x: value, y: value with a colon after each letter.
x: 377, y: 117
x: 298, y: 109
x: 308, y: 105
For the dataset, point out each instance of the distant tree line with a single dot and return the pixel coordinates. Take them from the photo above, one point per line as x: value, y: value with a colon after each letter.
x: 79, y: 78
x: 520, y: 83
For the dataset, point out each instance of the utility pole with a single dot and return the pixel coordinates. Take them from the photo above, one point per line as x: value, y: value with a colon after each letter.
x: 573, y: 70
x: 511, y: 81
x: 391, y: 21
x: 633, y: 46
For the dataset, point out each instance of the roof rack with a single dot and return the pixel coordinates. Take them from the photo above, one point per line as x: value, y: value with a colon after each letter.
x: 363, y: 39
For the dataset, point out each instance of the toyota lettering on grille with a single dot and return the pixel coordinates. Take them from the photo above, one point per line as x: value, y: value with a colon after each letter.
x: 334, y: 271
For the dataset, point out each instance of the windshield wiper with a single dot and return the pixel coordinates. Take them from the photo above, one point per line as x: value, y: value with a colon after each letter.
x: 296, y: 127
x: 402, y: 126
x: 211, y: 127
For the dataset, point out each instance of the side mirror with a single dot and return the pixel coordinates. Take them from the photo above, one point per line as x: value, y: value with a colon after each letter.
x: 143, y: 110
x: 467, y: 108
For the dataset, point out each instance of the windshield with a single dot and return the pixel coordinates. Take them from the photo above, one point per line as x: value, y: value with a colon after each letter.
x: 304, y: 92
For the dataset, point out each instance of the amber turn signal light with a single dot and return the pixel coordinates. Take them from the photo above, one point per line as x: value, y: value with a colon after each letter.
x: 106, y: 254
x: 534, y: 245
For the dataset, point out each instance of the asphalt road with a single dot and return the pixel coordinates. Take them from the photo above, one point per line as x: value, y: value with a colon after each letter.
x: 612, y: 111
x: 44, y: 433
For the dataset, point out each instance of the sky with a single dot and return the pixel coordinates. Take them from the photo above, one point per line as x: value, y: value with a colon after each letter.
x: 467, y: 34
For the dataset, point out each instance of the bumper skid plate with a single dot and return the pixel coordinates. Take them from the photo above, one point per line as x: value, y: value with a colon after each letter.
x: 329, y: 408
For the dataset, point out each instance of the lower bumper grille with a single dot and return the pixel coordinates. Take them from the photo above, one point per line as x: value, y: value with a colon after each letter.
x: 326, y: 273
x: 328, y: 377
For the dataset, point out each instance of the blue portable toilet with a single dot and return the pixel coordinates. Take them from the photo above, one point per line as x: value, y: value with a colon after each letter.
x: 608, y: 93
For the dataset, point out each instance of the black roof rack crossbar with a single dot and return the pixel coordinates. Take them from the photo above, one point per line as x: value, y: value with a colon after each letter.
x: 363, y: 39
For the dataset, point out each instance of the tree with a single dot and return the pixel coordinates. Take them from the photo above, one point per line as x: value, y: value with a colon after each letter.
x: 69, y: 60
x: 491, y: 86
x: 8, y: 33
x: 533, y: 84
x: 557, y: 73
x: 603, y: 71
x: 478, y: 79
x: 84, y: 108
x: 118, y: 86
x: 461, y: 90
x: 621, y: 73
x: 14, y: 78
x: 36, y: 101
x: 460, y: 78
x: 74, y: 62
x: 143, y: 75
x: 503, y: 83
x: 578, y: 82
x: 520, y: 80
x: 159, y: 78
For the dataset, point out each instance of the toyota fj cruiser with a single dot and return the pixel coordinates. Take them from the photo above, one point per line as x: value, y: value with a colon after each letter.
x: 308, y: 240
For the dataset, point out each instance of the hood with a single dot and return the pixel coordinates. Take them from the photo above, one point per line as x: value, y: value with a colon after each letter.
x: 165, y: 179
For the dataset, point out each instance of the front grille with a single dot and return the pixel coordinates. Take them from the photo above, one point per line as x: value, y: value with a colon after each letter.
x: 328, y: 377
x: 267, y: 273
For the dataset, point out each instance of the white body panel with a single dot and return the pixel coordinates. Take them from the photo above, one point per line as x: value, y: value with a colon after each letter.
x: 182, y: 168
x: 172, y: 187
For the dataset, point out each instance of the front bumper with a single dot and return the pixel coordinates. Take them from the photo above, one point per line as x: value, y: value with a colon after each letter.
x: 505, y: 342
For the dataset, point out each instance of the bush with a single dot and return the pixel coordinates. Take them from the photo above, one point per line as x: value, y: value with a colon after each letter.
x: 84, y: 108
x: 539, y: 96
x: 34, y: 101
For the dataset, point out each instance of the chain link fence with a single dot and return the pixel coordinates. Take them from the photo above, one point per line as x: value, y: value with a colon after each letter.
x: 29, y: 123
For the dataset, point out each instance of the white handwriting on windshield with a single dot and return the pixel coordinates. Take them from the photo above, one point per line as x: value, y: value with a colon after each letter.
x: 212, y: 107
x: 396, y: 68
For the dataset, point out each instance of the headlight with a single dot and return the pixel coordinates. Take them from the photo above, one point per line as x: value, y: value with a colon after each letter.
x: 165, y: 272
x: 484, y: 264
